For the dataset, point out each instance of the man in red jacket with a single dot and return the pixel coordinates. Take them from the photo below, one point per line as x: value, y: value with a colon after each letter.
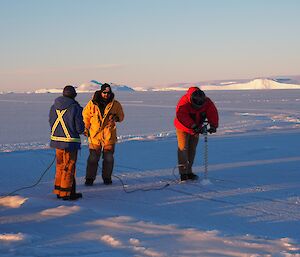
x: 191, y: 111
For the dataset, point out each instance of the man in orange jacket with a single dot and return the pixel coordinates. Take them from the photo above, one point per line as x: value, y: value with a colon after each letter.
x: 100, y: 116
x: 191, y: 111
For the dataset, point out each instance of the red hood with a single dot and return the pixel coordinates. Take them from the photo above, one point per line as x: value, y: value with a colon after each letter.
x: 190, y: 91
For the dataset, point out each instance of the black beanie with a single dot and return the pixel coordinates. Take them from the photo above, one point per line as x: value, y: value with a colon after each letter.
x: 105, y: 86
x: 69, y: 91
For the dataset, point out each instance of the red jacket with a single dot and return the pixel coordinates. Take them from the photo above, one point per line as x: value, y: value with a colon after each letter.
x: 187, y: 115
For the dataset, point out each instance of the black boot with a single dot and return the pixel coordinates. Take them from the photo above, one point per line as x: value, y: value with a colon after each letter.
x: 192, y: 176
x: 107, y: 181
x: 184, y: 177
x: 75, y: 196
x: 72, y: 197
x: 89, y: 182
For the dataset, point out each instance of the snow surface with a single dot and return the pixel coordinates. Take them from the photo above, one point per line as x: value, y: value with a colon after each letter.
x: 248, y: 206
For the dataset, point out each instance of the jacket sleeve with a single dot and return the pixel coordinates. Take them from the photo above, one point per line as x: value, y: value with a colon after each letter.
x: 86, y: 113
x: 212, y: 115
x: 79, y: 120
x: 51, y: 116
x: 120, y: 112
x: 183, y: 115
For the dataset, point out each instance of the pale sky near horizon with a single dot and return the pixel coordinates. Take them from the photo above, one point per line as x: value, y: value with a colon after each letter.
x: 145, y: 43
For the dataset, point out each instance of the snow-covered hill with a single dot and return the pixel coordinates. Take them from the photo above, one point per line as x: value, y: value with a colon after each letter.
x: 94, y: 85
x: 91, y: 86
x: 256, y: 84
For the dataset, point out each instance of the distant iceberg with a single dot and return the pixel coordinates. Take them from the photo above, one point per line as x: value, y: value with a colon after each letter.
x: 243, y: 84
x: 44, y: 91
x: 256, y: 84
x: 94, y: 85
x: 6, y: 92
x: 88, y: 87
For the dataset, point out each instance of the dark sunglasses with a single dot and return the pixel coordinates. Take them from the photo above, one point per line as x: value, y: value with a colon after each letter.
x: 106, y: 93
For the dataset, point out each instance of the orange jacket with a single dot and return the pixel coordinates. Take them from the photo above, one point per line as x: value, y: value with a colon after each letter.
x: 101, y: 130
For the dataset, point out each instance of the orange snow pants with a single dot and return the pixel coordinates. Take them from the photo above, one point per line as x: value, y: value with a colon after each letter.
x: 65, y: 172
x: 186, y: 151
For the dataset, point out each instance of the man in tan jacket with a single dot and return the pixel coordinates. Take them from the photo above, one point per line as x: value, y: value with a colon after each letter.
x: 100, y: 116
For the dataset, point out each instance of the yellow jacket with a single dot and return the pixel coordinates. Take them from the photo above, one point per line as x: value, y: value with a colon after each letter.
x: 102, y: 130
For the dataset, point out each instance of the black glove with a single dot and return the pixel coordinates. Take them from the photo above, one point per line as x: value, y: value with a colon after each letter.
x: 211, y: 130
x: 198, y: 130
x: 203, y: 130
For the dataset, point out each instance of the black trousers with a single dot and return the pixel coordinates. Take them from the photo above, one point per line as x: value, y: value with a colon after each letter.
x: 107, y: 164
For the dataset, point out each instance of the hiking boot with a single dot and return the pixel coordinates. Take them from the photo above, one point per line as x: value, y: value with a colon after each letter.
x: 107, y: 181
x: 189, y: 176
x: 75, y: 196
x: 184, y: 177
x: 192, y: 176
x: 72, y: 197
x: 89, y: 182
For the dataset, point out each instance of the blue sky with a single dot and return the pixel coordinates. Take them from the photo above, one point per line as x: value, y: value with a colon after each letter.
x: 143, y: 43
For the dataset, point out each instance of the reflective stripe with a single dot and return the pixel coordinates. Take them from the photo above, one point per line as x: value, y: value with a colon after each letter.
x: 64, y: 139
x: 69, y: 189
x: 60, y: 120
